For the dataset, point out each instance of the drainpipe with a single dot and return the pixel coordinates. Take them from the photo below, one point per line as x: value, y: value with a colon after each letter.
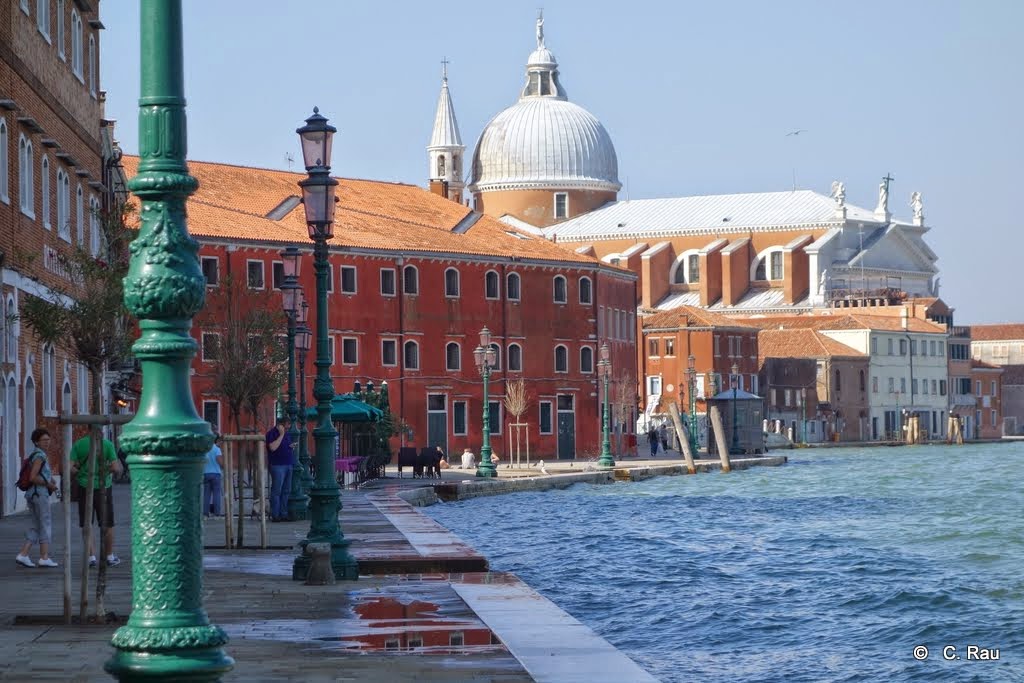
x: 401, y: 339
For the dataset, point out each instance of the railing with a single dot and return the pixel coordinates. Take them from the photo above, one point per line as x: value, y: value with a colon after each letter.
x: 960, y: 331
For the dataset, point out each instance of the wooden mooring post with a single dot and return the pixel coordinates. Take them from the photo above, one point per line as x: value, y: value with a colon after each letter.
x: 723, y: 448
x: 683, y: 436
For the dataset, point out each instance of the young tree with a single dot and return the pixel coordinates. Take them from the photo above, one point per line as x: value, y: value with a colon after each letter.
x: 517, y: 400
x: 624, y: 400
x: 89, y: 320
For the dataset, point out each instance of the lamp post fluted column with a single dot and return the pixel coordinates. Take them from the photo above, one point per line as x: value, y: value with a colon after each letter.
x: 292, y: 295
x: 604, y: 367
x: 691, y: 375
x: 324, y: 496
x: 168, y: 636
x: 304, y: 337
x: 485, y: 358
x: 735, y: 385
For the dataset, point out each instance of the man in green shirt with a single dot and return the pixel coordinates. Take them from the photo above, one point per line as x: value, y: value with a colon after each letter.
x: 107, y: 464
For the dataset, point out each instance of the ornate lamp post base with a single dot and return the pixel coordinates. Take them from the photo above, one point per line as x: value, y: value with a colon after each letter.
x: 298, y: 505
x: 326, y: 530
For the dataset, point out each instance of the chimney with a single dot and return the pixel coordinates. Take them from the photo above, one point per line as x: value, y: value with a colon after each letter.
x: 439, y: 187
x: 904, y: 318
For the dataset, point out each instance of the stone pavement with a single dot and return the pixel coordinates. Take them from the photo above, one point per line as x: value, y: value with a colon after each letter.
x: 433, y: 614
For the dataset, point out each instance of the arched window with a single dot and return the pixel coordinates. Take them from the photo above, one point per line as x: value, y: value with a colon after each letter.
x: 29, y: 410
x: 686, y: 269
x: 43, y: 17
x: 497, y: 356
x: 65, y: 397
x: 4, y: 189
x: 83, y: 388
x: 561, y: 359
x: 515, y: 358
x: 586, y: 291
x: 410, y: 280
x: 76, y: 44
x: 561, y: 295
x: 768, y: 265
x: 63, y: 205
x: 586, y: 359
x: 451, y: 282
x: 512, y: 286
x: 12, y: 330
x: 92, y: 65
x: 80, y: 215
x: 49, y: 379
x: 440, y: 166
x: 452, y: 356
x: 26, y: 196
x: 491, y: 290
x: 60, y: 29
x: 412, y: 355
x: 44, y: 187
x: 94, y: 226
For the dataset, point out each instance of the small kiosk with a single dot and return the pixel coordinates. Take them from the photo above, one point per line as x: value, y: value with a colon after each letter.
x: 742, y: 419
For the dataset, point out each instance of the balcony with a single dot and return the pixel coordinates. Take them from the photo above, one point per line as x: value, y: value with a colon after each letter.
x: 960, y: 332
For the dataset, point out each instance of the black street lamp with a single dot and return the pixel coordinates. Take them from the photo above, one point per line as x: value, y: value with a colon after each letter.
x: 303, y: 341
x: 604, y: 370
x: 485, y: 358
x: 318, y: 198
x: 735, y: 379
x: 291, y: 294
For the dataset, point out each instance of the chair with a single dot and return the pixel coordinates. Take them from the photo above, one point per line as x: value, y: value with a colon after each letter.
x: 406, y: 458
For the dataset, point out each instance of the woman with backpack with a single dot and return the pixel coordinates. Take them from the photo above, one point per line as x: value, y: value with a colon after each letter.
x: 37, y: 495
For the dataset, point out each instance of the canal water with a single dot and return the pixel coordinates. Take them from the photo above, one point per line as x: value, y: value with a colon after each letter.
x: 834, y: 567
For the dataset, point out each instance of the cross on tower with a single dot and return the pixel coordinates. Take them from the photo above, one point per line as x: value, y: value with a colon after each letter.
x: 887, y: 179
x: 444, y: 67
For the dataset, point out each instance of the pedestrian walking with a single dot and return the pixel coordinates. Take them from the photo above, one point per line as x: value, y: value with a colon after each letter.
x: 107, y: 465
x: 280, y: 461
x: 663, y: 437
x: 213, y: 492
x: 38, y: 499
x: 652, y: 440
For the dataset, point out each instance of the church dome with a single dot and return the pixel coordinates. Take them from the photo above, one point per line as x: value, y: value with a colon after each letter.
x: 544, y: 141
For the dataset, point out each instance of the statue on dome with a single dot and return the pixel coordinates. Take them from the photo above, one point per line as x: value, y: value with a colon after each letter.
x: 883, y: 195
x: 839, y: 192
x: 917, y: 205
x: 540, y: 30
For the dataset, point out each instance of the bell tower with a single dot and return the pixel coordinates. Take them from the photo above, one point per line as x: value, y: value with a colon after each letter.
x: 446, y: 150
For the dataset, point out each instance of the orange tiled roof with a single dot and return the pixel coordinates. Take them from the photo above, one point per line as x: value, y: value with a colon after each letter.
x: 998, y: 332
x: 233, y: 202
x: 847, y: 321
x: 801, y: 343
x: 692, y: 316
x: 982, y: 365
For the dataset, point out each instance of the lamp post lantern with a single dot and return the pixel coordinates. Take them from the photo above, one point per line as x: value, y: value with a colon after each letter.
x: 485, y: 357
x: 735, y: 379
x: 604, y: 369
x: 168, y: 636
x: 691, y: 381
x: 324, y: 497
x: 303, y: 341
x: 291, y: 293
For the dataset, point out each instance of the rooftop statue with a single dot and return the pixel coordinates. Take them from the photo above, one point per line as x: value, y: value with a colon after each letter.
x: 540, y: 31
x: 917, y: 205
x: 839, y: 192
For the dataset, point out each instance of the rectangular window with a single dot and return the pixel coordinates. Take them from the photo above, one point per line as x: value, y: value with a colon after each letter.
x: 892, y: 385
x: 913, y: 347
x: 932, y: 345
x: 387, y: 281
x: 977, y: 387
x: 874, y: 345
x: 211, y: 270
x: 211, y: 413
x: 652, y: 348
x: 495, y: 417
x: 717, y: 346
x: 349, y: 351
x: 561, y: 205
x: 211, y: 346
x: 388, y: 352
x: 348, y: 279
x: 993, y: 388
x: 276, y: 275
x: 903, y: 385
x: 254, y: 272
x: 942, y: 348
x: 874, y: 385
x: 903, y: 347
x: 933, y: 387
x: 545, y: 417
x: 776, y: 265
x: 654, y: 385
x: 670, y: 346
x: 942, y: 387
x: 993, y: 418
x: 913, y: 387
x: 459, y: 418
x: 788, y: 401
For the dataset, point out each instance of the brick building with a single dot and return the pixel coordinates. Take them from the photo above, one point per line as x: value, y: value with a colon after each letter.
x: 1003, y: 345
x: 51, y: 187
x: 414, y: 277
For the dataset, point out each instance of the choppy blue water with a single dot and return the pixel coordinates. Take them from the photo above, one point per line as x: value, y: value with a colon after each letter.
x: 831, y: 568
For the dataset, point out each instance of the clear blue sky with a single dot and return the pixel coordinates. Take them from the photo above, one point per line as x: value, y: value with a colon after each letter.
x: 697, y: 96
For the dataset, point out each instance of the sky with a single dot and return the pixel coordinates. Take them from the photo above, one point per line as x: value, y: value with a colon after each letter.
x: 698, y: 98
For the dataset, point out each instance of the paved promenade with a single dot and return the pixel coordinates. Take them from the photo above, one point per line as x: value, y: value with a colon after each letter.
x: 425, y: 609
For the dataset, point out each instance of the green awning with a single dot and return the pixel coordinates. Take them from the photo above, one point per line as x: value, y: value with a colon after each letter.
x: 348, y: 408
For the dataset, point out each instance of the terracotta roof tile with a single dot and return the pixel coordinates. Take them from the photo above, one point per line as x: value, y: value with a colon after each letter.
x: 692, y: 316
x: 846, y: 321
x: 801, y: 343
x: 982, y: 365
x: 998, y: 332
x: 1013, y: 375
x: 233, y: 202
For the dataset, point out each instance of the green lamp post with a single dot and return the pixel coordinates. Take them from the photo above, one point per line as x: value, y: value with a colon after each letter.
x: 303, y: 341
x: 168, y: 636
x: 291, y: 295
x: 324, y: 497
x: 691, y: 382
x: 604, y: 370
x: 735, y: 379
x: 485, y: 358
